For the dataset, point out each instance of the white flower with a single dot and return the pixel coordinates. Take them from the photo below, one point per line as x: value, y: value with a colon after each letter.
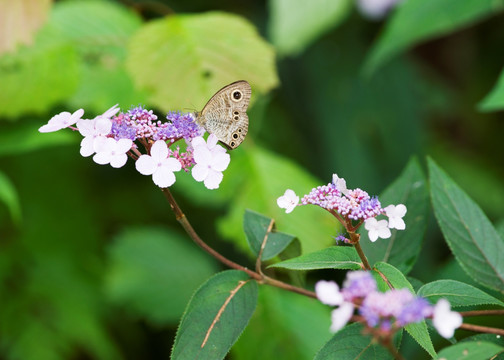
x: 444, y: 320
x: 99, y: 127
x: 110, y: 112
x: 328, y: 293
x: 377, y: 229
x: 159, y: 165
x: 340, y: 184
x: 395, y: 214
x: 376, y: 9
x: 341, y: 316
x: 288, y: 201
x: 211, y: 160
x: 61, y: 121
x: 110, y: 151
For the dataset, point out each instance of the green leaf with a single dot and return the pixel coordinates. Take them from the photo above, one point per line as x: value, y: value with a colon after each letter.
x: 477, y: 350
x: 100, y: 31
x: 285, y: 337
x: 256, y: 226
x: 403, y: 247
x: 350, y: 343
x: 8, y: 195
x: 419, y: 20
x: 215, y: 317
x: 25, y: 74
x: 268, y: 176
x: 495, y: 339
x: 154, y: 273
x: 495, y: 99
x: 184, y: 59
x: 473, y: 240
x: 295, y: 24
x: 457, y: 293
x: 419, y: 330
x: 25, y: 138
x: 335, y: 257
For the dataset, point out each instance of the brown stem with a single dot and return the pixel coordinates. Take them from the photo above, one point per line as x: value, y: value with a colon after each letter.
x: 482, y: 313
x: 182, y: 219
x: 482, y: 329
x: 354, y: 238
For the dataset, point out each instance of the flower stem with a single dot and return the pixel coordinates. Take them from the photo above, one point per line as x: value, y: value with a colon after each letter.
x: 355, y: 241
x: 182, y: 219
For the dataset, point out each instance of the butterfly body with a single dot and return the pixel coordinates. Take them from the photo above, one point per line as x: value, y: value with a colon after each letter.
x: 225, y: 114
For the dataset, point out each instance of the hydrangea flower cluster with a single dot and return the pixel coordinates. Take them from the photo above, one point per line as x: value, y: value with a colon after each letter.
x: 387, y: 311
x: 113, y: 136
x: 349, y: 205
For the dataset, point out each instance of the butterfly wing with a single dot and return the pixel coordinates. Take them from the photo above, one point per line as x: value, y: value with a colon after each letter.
x: 225, y: 114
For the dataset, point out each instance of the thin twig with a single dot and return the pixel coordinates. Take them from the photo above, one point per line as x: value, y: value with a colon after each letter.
x: 482, y: 329
x: 482, y: 313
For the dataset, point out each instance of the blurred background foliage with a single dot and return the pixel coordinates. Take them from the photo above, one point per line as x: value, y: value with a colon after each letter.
x: 92, y: 262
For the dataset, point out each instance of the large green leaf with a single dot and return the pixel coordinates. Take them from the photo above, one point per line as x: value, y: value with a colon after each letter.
x: 216, y: 316
x: 468, y: 350
x: 295, y: 24
x: 100, y: 31
x: 335, y: 257
x: 350, y: 343
x: 278, y: 329
x: 418, y: 20
x: 267, y: 177
x: 403, y: 247
x: 153, y: 272
x: 419, y: 330
x: 457, y: 293
x: 495, y: 99
x: 183, y: 60
x: 473, y: 240
x: 256, y: 226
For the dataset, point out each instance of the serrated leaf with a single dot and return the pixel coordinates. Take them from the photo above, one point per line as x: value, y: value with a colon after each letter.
x: 457, y: 293
x: 336, y: 257
x: 496, y: 339
x: 350, y: 343
x: 403, y: 247
x: 256, y: 226
x: 294, y: 25
x: 419, y: 330
x: 473, y: 240
x: 183, y: 60
x: 268, y: 176
x: 477, y: 350
x: 417, y: 20
x: 287, y: 316
x: 154, y: 272
x: 495, y: 99
x: 8, y: 196
x: 216, y: 316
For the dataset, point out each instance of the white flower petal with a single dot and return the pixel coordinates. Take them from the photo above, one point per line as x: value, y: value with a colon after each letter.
x: 220, y: 161
x: 213, y: 179
x: 110, y: 112
x: 87, y: 146
x: 199, y: 172
x: 75, y: 117
x: 288, y: 201
x: 163, y: 177
x: 159, y: 151
x: 212, y: 141
x: 103, y: 126
x: 123, y: 145
x: 86, y: 127
x: 328, y: 293
x: 172, y: 164
x: 341, y: 316
x: 444, y: 320
x: 118, y: 160
x: 101, y: 143
x: 198, y: 141
x: 146, y: 165
x: 102, y: 158
x: 202, y: 155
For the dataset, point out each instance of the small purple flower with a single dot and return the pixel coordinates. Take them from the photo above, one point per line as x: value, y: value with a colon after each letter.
x: 358, y: 284
x: 341, y: 238
x: 180, y: 126
x: 414, y: 311
x: 121, y: 129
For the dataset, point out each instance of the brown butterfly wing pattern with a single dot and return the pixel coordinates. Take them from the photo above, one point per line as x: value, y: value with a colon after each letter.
x: 225, y: 114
